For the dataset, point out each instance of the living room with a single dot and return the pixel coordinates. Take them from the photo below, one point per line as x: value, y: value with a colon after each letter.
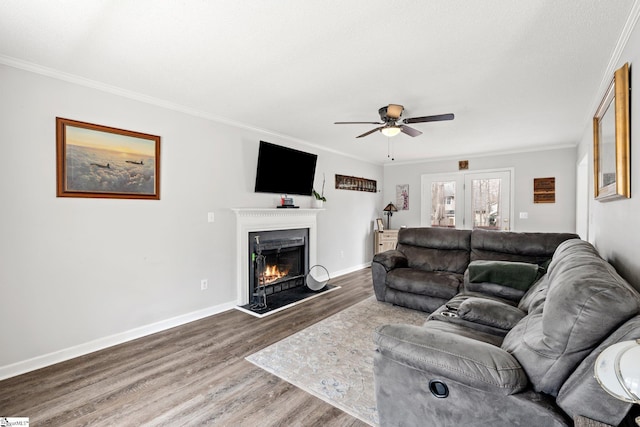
x: 82, y: 274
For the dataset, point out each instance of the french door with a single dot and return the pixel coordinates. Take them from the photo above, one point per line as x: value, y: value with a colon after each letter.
x: 467, y: 200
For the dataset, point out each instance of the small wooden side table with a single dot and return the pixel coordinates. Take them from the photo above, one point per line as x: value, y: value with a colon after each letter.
x: 384, y: 240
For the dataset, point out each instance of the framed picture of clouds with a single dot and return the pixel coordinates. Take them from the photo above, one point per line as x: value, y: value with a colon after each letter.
x: 105, y: 162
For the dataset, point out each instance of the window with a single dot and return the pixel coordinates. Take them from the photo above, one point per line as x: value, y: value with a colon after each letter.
x: 443, y: 207
x: 467, y: 200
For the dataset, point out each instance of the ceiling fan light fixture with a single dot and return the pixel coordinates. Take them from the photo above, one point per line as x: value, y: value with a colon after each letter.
x: 392, y: 125
x: 390, y: 130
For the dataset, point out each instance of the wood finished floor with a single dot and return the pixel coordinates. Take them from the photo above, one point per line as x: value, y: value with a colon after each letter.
x: 193, y: 374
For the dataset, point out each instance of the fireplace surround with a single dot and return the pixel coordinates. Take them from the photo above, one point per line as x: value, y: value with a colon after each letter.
x: 250, y: 220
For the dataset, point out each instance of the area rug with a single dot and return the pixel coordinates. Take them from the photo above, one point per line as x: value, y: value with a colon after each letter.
x: 333, y: 359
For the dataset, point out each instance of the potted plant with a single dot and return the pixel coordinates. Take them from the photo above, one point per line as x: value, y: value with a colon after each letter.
x: 318, y: 198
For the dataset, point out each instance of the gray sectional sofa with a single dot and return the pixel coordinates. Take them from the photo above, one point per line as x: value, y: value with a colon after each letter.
x: 517, y: 321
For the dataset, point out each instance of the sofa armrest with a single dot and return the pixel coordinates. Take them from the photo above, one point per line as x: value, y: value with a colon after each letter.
x: 383, y: 263
x: 461, y: 359
x: 489, y: 312
x: 391, y: 259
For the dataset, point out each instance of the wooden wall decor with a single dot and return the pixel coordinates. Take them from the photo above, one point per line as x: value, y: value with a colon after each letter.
x: 463, y: 165
x: 544, y: 190
x: 353, y: 183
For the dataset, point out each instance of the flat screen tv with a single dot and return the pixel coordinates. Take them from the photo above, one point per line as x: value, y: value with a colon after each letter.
x: 283, y: 170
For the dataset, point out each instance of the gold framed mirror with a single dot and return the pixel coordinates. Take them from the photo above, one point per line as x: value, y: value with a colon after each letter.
x: 611, y: 126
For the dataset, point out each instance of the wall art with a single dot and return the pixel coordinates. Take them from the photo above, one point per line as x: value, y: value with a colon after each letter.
x: 544, y: 190
x: 105, y: 162
x: 402, y: 197
x: 353, y: 183
x: 611, y: 141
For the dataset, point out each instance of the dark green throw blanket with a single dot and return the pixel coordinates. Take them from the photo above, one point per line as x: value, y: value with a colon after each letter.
x: 518, y: 275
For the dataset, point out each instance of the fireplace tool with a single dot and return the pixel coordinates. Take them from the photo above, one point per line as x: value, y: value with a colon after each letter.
x: 260, y: 296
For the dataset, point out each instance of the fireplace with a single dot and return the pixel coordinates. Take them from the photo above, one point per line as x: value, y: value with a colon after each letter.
x: 278, y: 261
x: 249, y: 220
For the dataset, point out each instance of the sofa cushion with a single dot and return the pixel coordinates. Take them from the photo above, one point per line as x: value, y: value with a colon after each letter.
x: 435, y: 249
x: 440, y: 284
x: 585, y: 302
x: 464, y: 331
x: 425, y: 303
x: 434, y: 237
x: 533, y: 299
x: 535, y: 248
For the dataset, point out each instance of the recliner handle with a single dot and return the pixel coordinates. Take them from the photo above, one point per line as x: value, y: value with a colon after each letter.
x: 439, y: 389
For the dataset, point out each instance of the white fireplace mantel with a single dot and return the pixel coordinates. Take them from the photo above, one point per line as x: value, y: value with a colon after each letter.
x: 265, y: 219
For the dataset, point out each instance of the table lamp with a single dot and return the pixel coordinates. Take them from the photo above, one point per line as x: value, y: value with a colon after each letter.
x: 617, y: 370
x: 389, y: 210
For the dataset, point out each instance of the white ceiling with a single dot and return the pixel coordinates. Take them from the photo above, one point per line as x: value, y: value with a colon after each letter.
x: 518, y: 74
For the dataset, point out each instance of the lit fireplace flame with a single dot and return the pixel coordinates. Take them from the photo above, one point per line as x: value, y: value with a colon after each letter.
x: 273, y: 273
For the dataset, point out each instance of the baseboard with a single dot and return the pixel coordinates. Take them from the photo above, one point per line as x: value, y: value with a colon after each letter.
x: 45, y: 360
x: 350, y: 270
x: 38, y: 362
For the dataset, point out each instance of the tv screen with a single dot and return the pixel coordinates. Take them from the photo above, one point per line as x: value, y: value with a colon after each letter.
x: 284, y: 170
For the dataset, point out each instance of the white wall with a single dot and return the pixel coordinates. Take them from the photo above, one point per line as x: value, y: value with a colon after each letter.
x: 76, y: 274
x: 543, y: 217
x: 614, y: 227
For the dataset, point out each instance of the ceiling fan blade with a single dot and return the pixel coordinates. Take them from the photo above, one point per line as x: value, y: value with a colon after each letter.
x: 358, y: 123
x: 394, y: 111
x: 370, y: 132
x: 410, y: 131
x: 436, y: 118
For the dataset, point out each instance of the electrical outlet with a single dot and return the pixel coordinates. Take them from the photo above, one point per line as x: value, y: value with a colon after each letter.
x: 524, y: 215
x: 204, y: 284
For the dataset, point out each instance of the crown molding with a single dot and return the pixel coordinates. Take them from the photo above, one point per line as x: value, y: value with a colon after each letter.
x: 136, y: 96
x: 481, y: 155
x: 616, y: 55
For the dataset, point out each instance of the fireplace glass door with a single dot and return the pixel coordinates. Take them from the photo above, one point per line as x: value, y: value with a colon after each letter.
x: 278, y: 260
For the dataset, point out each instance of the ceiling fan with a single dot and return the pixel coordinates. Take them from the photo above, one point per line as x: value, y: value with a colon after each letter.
x: 392, y: 125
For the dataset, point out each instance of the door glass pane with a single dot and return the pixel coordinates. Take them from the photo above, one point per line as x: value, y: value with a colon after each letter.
x: 485, y: 203
x: 443, y: 204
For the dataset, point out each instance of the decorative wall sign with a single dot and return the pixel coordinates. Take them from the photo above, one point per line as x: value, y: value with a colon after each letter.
x: 104, y: 162
x: 344, y: 182
x: 402, y: 197
x: 463, y: 164
x: 544, y: 190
